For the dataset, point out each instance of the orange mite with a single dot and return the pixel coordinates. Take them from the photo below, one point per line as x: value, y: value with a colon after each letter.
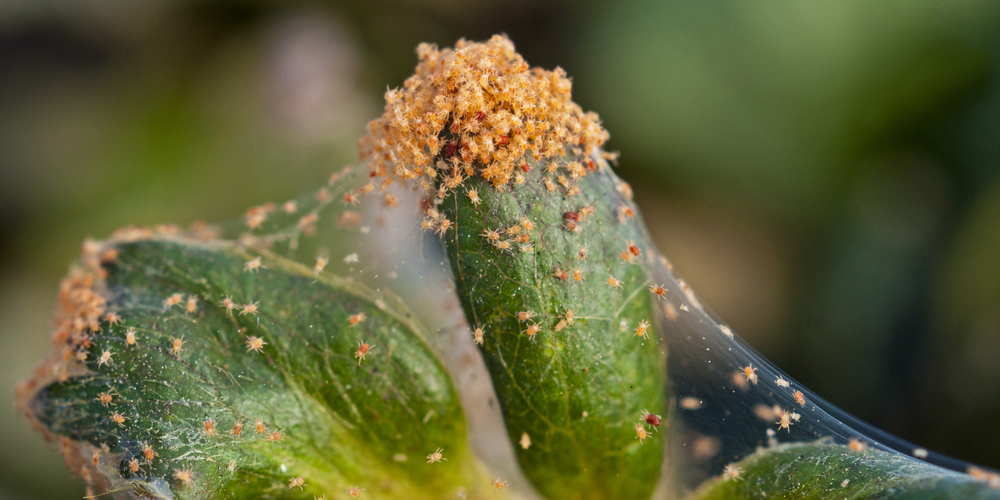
x: 614, y: 283
x: 658, y: 290
x: 561, y: 274
x: 640, y: 432
x: 750, y: 373
x: 799, y: 398
x: 354, y: 319
x: 259, y: 426
x: 238, y: 427
x: 148, y: 451
x: 532, y: 330
x: 632, y: 249
x: 577, y: 274
x: 362, y: 351
x: 210, y: 427
x: 643, y: 326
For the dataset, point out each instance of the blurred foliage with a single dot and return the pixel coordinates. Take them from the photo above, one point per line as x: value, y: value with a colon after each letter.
x: 823, y: 174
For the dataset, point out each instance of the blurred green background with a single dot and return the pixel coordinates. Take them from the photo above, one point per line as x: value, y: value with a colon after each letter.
x: 825, y: 174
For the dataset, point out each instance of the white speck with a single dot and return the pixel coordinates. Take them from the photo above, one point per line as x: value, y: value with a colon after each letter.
x: 365, y: 229
x: 920, y: 453
x: 284, y: 468
x: 351, y: 258
x: 844, y: 483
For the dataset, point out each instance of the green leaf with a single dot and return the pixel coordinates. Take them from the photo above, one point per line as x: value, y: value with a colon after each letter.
x: 827, y: 470
x: 577, y: 393
x: 344, y: 422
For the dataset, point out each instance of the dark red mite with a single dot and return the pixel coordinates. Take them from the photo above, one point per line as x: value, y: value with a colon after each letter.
x: 573, y: 216
x: 653, y: 420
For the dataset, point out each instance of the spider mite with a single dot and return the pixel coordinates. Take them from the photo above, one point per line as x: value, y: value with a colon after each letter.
x: 532, y: 330
x: 250, y: 308
x: 641, y: 331
x: 258, y: 425
x: 104, y: 398
x: 582, y: 254
x: 184, y: 476
x: 528, y: 226
x: 731, y: 472
x: 362, y: 351
x: 253, y: 265
x: 130, y: 336
x: 658, y: 290
x: 785, y: 421
x: 238, y: 427
x: 491, y: 234
x: 148, y: 451
x: 477, y: 335
x: 255, y: 344
x: 799, y: 398
x: 133, y: 465
x: 577, y: 274
x: 525, y: 315
x: 632, y: 249
x: 614, y: 283
x: 228, y: 303
x: 653, y: 420
x: 210, y: 427
x: 436, y: 456
x: 354, y: 319
x: 856, y: 445
x: 318, y: 268
x: 498, y: 484
x: 474, y: 197
x: 561, y: 274
x: 356, y: 492
x: 192, y: 304
x: 750, y: 373
x: 118, y: 418
x: 296, y: 481
x: 177, y: 346
x: 640, y: 432
x: 781, y: 382
x: 173, y: 300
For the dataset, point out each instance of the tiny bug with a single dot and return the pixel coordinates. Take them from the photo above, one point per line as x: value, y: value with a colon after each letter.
x: 435, y: 457
x: 147, y: 450
x: 96, y: 457
x: 474, y: 197
x: 582, y: 254
x: 362, y: 351
x: 522, y: 238
x: 571, y: 216
x: 258, y: 425
x: 623, y: 325
x: 528, y: 226
x: 255, y: 344
x: 551, y: 186
x: 390, y: 200
x: 177, y: 345
x: 104, y: 398
x: 731, y: 472
x: 173, y: 300
x: 750, y: 373
x: 585, y: 211
x: 477, y: 335
x: 130, y: 336
x: 133, y: 465
x: 290, y: 207
x: 351, y: 199
x: 253, y: 265
x: 651, y: 419
x: 560, y: 325
x: 503, y: 245
x: 105, y: 358
x: 725, y: 330
x: 192, y: 304
x: 228, y: 303
x: 658, y: 290
x: 356, y: 492
x: 561, y: 274
x: 351, y: 258
x: 118, y: 418
x: 641, y: 330
x: 516, y: 228
x: 640, y: 432
x: 238, y: 427
x: 113, y: 318
x: 184, y: 476
x: 625, y: 213
x: 210, y: 427
x: 577, y: 274
x: 491, y: 234
x: 250, y: 308
x: 427, y: 224
x: 614, y: 282
x: 525, y: 315
x: 498, y: 484
x: 627, y: 256
x: 856, y: 445
x: 572, y: 226
x: 354, y: 319
x: 570, y: 315
x: 296, y: 481
x: 573, y: 191
x: 785, y: 421
x: 525, y: 441
x: 320, y: 265
x: 632, y: 249
x: 443, y: 226
x: 781, y: 382
x: 532, y: 330
x: 799, y: 398
x: 274, y: 437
